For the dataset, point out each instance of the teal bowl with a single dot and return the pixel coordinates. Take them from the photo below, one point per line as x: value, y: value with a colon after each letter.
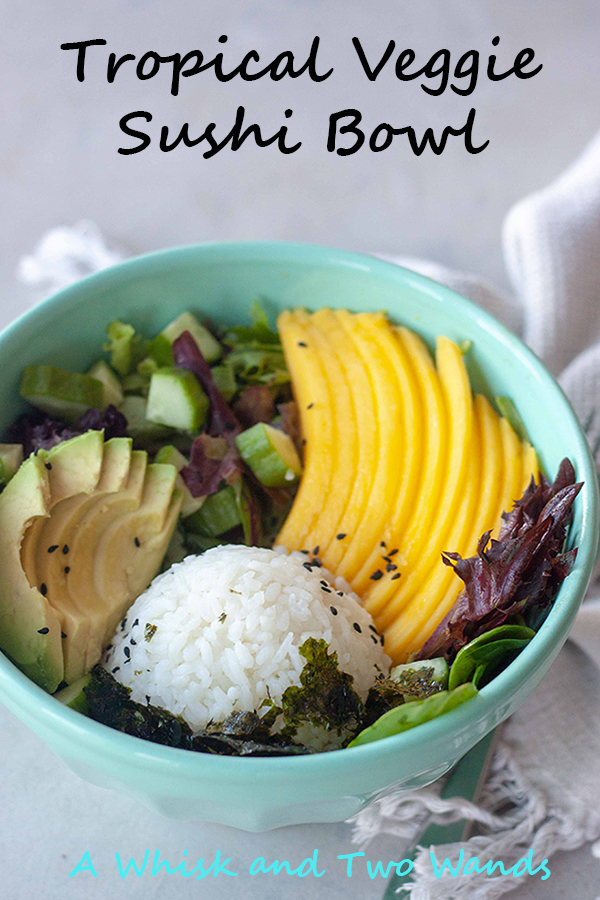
x: 220, y: 280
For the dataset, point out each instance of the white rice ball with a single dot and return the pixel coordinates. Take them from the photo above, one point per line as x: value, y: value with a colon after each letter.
x: 221, y: 632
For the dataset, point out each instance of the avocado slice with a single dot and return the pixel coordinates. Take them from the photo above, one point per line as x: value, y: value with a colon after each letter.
x: 139, y: 542
x: 73, y: 469
x: 53, y: 564
x: 58, y: 512
x: 79, y: 580
x: 30, y: 632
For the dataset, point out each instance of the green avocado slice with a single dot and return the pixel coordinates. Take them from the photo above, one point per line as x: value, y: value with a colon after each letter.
x: 79, y: 582
x: 139, y: 542
x: 73, y: 469
x: 30, y: 631
x: 53, y: 565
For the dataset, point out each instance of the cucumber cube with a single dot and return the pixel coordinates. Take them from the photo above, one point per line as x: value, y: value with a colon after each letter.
x: 270, y: 454
x: 139, y: 427
x: 176, y: 399
x: 160, y: 348
x: 171, y: 455
x: 220, y: 513
x: 11, y: 457
x: 73, y: 695
x: 63, y: 395
x: 224, y: 378
x: 112, y: 390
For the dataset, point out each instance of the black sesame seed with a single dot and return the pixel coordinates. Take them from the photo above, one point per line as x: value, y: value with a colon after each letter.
x: 382, y: 544
x: 137, y: 622
x: 357, y: 627
x: 44, y: 631
x: 340, y: 593
x: 48, y: 466
x: 341, y: 536
x: 308, y: 566
x: 66, y: 549
x: 324, y: 583
x: 396, y: 576
x: 372, y: 627
x: 373, y: 638
x: 52, y: 548
x: 381, y: 640
x: 317, y: 562
x: 63, y: 635
x: 126, y: 661
x: 136, y: 541
x: 123, y: 623
x: 316, y: 550
x: 67, y: 569
x: 148, y: 699
x: 133, y: 642
x: 333, y: 610
x: 327, y: 590
x: 127, y: 652
x: 302, y: 344
x: 386, y: 558
x: 305, y: 551
x: 116, y: 669
x: 390, y: 567
x: 43, y: 590
x: 393, y: 552
x: 377, y: 575
x: 310, y: 405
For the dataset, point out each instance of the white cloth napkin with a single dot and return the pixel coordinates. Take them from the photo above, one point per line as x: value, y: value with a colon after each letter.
x: 547, y: 766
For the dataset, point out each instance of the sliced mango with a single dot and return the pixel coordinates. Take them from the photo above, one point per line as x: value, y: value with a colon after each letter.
x: 401, y: 464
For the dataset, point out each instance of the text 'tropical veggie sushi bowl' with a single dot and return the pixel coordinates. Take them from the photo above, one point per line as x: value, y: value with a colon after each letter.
x: 350, y: 526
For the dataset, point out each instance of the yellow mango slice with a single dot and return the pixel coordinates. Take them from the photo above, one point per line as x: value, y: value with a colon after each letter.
x: 400, y: 460
x: 316, y: 413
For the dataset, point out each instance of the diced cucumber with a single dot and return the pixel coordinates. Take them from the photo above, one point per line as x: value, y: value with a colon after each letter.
x: 434, y: 670
x: 176, y: 399
x: 136, y: 384
x: 63, y: 395
x: 119, y: 345
x: 224, y: 378
x: 172, y: 456
x: 271, y: 455
x: 160, y: 348
x: 219, y: 514
x: 112, y: 389
x: 138, y: 425
x: 73, y: 695
x: 11, y: 457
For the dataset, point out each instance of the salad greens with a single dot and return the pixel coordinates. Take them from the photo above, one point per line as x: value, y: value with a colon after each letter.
x: 481, y: 658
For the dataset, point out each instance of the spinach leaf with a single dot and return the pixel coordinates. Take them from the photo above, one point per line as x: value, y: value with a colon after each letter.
x: 484, y: 654
x: 414, y: 713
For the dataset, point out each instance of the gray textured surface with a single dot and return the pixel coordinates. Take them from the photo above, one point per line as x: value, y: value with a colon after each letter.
x: 58, y: 164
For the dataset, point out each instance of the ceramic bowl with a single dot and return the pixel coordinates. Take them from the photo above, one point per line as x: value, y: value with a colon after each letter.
x: 221, y: 280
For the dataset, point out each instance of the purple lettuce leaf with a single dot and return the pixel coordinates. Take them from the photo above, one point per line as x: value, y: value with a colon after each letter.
x: 518, y: 573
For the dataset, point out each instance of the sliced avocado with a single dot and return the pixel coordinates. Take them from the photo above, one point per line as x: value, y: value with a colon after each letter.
x: 138, y: 541
x: 56, y: 535
x: 66, y: 502
x: 73, y: 695
x: 176, y: 399
x: 112, y: 390
x: 64, y: 395
x: 160, y: 347
x: 79, y: 580
x: 74, y: 469
x: 11, y: 457
x: 271, y: 455
x: 134, y: 409
x: 171, y: 456
x: 30, y: 632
